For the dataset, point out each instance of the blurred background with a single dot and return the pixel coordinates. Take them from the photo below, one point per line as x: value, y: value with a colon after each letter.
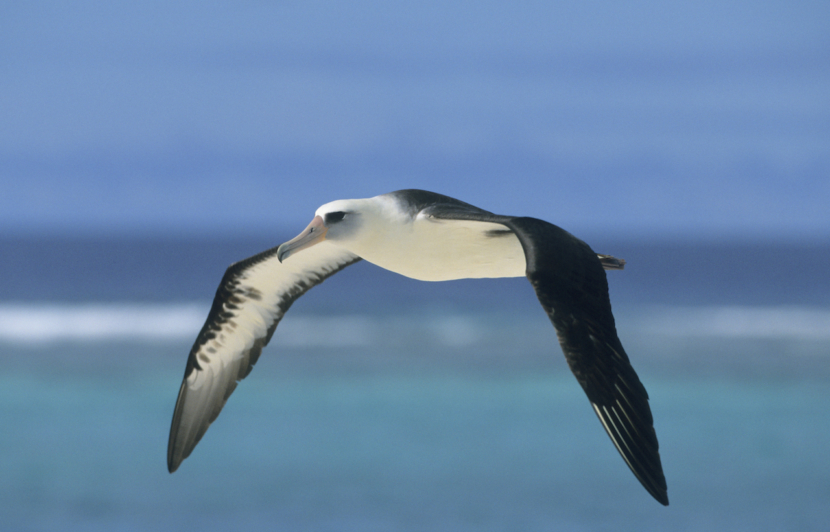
x: 145, y: 146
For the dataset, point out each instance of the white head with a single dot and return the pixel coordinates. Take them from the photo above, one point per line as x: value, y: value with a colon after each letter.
x: 351, y: 224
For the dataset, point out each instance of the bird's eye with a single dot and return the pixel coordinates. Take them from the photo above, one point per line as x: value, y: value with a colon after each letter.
x: 334, y: 217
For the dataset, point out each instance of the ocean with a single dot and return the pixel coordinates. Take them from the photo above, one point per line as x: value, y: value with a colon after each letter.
x: 386, y: 404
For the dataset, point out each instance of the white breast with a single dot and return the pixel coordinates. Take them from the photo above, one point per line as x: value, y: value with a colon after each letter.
x: 430, y: 249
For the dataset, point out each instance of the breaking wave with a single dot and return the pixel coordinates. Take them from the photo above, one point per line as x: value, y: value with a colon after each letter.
x: 49, y: 323
x: 29, y: 323
x: 45, y: 323
x: 785, y: 322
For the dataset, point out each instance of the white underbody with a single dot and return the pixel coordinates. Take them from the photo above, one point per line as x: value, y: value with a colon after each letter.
x: 430, y: 249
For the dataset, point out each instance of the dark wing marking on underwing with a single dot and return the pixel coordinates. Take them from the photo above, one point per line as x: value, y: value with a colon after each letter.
x: 570, y: 283
x: 252, y: 298
x: 495, y: 233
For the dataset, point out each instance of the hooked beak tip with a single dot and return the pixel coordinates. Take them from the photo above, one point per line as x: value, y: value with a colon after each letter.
x: 314, y: 233
x: 281, y: 253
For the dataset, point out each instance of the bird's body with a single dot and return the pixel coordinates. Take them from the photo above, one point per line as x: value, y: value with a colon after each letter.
x: 429, y: 248
x: 429, y: 237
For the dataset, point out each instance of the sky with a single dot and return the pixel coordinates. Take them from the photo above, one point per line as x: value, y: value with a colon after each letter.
x: 706, y: 119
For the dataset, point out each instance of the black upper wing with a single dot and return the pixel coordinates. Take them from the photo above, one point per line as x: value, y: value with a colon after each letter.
x: 570, y: 283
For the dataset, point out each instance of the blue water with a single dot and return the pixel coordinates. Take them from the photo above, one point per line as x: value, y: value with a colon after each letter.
x: 426, y: 409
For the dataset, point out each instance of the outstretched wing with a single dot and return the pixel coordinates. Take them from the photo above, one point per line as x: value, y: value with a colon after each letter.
x: 251, y: 300
x: 571, y: 286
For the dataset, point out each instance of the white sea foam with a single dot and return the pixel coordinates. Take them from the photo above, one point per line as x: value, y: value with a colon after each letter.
x: 48, y: 323
x: 786, y: 322
x: 45, y: 323
x: 29, y: 323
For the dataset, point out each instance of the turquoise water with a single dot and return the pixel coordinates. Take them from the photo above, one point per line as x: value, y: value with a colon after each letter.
x: 458, y: 434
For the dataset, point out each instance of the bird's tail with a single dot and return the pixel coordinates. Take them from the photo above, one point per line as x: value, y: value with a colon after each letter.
x: 611, y: 263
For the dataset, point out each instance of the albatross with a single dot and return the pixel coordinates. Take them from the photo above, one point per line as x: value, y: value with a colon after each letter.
x: 429, y: 237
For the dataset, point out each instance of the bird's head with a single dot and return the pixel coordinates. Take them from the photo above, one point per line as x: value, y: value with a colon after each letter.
x: 343, y: 222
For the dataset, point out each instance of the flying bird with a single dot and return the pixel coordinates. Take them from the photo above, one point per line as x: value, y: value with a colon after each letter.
x: 429, y: 237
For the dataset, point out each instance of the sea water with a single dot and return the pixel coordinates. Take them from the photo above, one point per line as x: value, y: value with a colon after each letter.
x: 385, y: 404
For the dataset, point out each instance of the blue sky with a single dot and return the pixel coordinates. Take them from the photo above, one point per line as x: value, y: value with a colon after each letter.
x: 704, y: 119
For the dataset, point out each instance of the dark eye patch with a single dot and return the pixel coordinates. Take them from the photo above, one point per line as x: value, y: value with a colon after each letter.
x: 334, y: 217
